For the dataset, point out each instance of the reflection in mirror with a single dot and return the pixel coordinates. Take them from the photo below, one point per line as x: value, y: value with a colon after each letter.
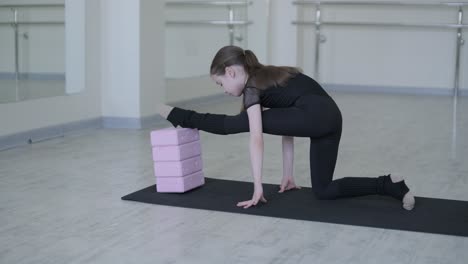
x: 195, y: 31
x: 32, y: 48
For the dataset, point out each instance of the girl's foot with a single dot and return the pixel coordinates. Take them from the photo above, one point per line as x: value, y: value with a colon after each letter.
x: 398, y: 189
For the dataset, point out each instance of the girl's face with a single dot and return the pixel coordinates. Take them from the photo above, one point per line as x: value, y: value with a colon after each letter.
x: 233, y: 81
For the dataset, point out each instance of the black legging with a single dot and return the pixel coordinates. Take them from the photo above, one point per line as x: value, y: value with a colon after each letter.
x: 313, y: 116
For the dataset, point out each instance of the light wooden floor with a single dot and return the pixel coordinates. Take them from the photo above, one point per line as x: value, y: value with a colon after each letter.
x: 60, y: 199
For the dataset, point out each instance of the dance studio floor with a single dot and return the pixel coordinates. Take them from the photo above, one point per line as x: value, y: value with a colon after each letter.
x: 60, y: 199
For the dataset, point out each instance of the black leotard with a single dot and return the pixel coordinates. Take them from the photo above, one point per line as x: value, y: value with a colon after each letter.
x: 302, y: 108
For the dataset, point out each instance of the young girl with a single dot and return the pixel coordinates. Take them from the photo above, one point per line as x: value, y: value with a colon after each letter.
x: 296, y: 106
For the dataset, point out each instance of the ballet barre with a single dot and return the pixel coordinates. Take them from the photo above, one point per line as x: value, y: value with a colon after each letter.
x: 318, y: 22
x: 209, y: 3
x: 16, y: 23
x: 230, y: 23
x: 209, y: 22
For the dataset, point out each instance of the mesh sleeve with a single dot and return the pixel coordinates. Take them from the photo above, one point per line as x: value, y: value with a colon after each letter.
x: 251, y: 97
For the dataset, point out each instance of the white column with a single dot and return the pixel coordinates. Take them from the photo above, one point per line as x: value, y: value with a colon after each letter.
x: 132, y: 60
x: 283, y: 36
x: 258, y: 32
x: 120, y: 53
x: 152, y: 50
x: 74, y: 46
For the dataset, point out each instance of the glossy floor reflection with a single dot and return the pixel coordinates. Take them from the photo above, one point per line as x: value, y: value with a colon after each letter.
x: 30, y: 89
x: 61, y: 198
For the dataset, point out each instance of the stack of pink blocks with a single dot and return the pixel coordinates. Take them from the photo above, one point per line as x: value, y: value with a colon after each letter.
x: 177, y: 159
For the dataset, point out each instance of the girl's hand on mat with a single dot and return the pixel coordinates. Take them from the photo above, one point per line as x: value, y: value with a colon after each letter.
x: 287, y: 183
x: 257, y: 196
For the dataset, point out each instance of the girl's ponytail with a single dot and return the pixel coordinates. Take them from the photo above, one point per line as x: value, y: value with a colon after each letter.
x: 233, y: 55
x: 251, y: 62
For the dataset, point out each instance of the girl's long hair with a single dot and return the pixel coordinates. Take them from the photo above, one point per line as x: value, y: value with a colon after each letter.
x: 260, y: 76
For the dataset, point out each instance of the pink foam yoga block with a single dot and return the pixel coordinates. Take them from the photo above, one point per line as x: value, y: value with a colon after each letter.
x: 178, y: 168
x: 180, y: 184
x: 173, y: 136
x: 177, y: 152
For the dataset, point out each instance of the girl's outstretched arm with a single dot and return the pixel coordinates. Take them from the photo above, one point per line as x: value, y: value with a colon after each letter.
x: 287, y: 182
x: 256, y: 154
x: 288, y: 155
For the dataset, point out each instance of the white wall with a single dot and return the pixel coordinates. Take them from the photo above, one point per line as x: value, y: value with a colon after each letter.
x: 43, y: 112
x: 384, y: 56
x: 351, y: 55
x: 124, y: 70
x: 191, y: 48
x: 123, y: 60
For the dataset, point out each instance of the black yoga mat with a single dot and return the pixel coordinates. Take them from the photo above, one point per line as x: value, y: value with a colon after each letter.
x: 430, y: 215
